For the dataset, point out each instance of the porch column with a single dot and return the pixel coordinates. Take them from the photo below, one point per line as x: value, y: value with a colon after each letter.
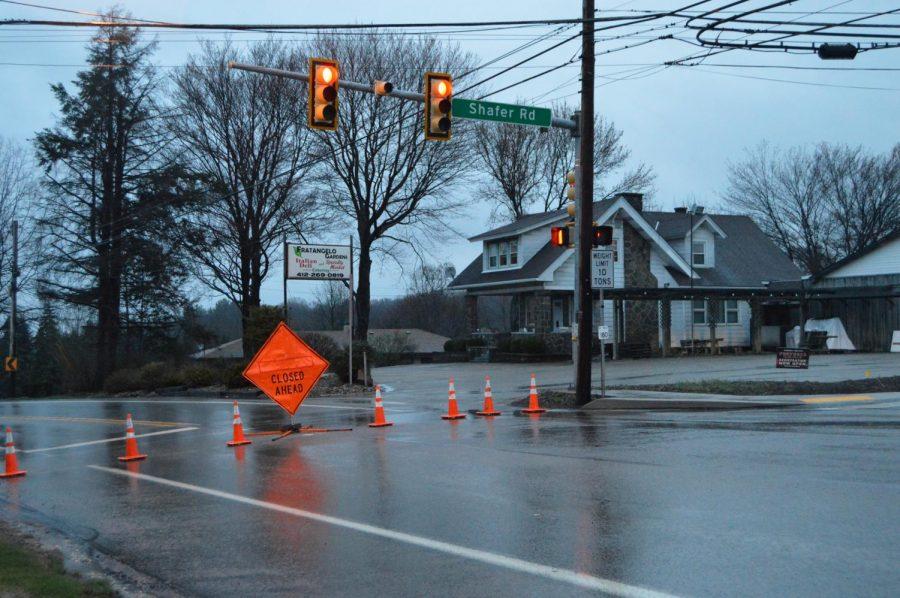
x: 804, y: 313
x: 756, y: 324
x: 712, y: 318
x: 666, y: 317
x: 471, y: 313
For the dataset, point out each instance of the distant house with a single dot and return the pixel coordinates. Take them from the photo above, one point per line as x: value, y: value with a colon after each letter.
x: 404, y: 340
x: 863, y: 290
x: 681, y: 278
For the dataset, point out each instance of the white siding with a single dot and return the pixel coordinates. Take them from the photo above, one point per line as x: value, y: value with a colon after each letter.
x: 701, y: 235
x: 732, y: 335
x: 884, y: 260
x: 532, y: 242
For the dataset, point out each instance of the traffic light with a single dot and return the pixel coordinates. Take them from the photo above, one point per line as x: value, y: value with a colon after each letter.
x: 323, y: 94
x: 601, y: 236
x: 559, y: 236
x: 570, y: 193
x: 438, y: 95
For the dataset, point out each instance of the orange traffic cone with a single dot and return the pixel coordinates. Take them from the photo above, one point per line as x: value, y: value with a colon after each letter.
x: 452, y: 409
x: 12, y: 463
x: 238, y: 426
x: 131, y: 449
x: 533, y: 406
x: 488, y: 409
x: 379, y: 422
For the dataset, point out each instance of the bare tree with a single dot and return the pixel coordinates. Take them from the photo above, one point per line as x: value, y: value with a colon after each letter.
x: 244, y: 135
x: 380, y: 175
x: 863, y: 192
x: 18, y: 191
x: 526, y: 166
x: 331, y: 304
x: 817, y: 203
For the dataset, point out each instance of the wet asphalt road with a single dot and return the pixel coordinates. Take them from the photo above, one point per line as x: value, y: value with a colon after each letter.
x: 800, y: 502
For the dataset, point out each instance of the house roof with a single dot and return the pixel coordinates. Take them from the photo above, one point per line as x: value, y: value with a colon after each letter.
x: 529, y: 271
x: 529, y: 221
x: 745, y: 257
x: 855, y: 256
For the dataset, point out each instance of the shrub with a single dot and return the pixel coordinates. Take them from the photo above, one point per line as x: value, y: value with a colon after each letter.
x: 321, y: 344
x: 195, y: 376
x: 233, y: 376
x: 340, y: 366
x: 158, y: 374
x: 531, y: 345
x: 455, y: 345
x: 123, y: 380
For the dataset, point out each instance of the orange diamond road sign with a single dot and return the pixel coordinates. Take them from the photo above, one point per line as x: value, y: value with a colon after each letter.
x: 285, y: 368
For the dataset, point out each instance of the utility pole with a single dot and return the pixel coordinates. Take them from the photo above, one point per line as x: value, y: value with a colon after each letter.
x: 585, y: 208
x: 13, y: 290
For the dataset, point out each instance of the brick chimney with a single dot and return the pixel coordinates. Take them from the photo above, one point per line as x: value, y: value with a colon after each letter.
x: 635, y: 199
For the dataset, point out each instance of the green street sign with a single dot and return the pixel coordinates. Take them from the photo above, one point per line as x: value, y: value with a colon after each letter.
x: 504, y: 113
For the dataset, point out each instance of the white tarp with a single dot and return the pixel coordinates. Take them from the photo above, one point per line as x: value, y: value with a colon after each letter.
x: 837, y: 336
x: 792, y: 338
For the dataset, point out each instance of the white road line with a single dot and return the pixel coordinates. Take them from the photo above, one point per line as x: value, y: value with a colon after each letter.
x: 574, y: 578
x: 106, y: 440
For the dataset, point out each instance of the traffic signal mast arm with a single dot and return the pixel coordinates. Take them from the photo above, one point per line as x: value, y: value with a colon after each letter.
x: 376, y: 87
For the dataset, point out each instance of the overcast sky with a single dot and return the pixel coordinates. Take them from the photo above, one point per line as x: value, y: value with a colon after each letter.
x: 684, y: 122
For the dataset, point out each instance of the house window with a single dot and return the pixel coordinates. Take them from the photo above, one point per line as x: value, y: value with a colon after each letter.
x: 698, y: 254
x: 502, y: 254
x: 732, y: 313
x: 699, y: 309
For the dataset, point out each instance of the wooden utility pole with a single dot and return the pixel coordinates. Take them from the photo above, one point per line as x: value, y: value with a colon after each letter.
x: 13, y: 292
x: 585, y: 209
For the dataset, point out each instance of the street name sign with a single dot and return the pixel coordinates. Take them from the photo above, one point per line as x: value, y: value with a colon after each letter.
x: 285, y: 368
x: 318, y: 262
x: 504, y: 113
x: 602, y: 269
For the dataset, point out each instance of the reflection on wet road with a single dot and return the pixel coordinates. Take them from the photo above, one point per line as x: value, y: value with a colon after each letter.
x: 773, y: 502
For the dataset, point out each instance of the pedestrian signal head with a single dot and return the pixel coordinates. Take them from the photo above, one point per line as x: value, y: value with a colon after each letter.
x: 559, y: 236
x: 601, y: 236
x: 323, y: 94
x: 438, y: 104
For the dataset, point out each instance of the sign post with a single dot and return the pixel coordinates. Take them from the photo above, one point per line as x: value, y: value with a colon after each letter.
x: 321, y: 262
x: 602, y: 278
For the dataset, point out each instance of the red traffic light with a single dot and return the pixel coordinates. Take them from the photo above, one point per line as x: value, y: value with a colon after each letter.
x: 559, y: 236
x: 601, y: 236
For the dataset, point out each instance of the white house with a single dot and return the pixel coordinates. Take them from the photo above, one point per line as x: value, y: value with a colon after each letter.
x: 863, y: 290
x: 716, y: 264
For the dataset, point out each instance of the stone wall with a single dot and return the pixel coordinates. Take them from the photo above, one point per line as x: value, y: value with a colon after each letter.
x: 641, y: 317
x: 532, y: 311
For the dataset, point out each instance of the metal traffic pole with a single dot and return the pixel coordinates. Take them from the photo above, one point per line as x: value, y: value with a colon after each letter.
x: 350, y: 310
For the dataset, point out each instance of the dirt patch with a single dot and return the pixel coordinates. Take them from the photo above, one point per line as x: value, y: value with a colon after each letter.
x: 768, y: 388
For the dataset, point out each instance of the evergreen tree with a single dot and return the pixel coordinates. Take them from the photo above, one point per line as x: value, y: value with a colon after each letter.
x: 44, y: 361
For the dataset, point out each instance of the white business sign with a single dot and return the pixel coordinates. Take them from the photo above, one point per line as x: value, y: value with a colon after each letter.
x: 602, y: 269
x: 318, y: 262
